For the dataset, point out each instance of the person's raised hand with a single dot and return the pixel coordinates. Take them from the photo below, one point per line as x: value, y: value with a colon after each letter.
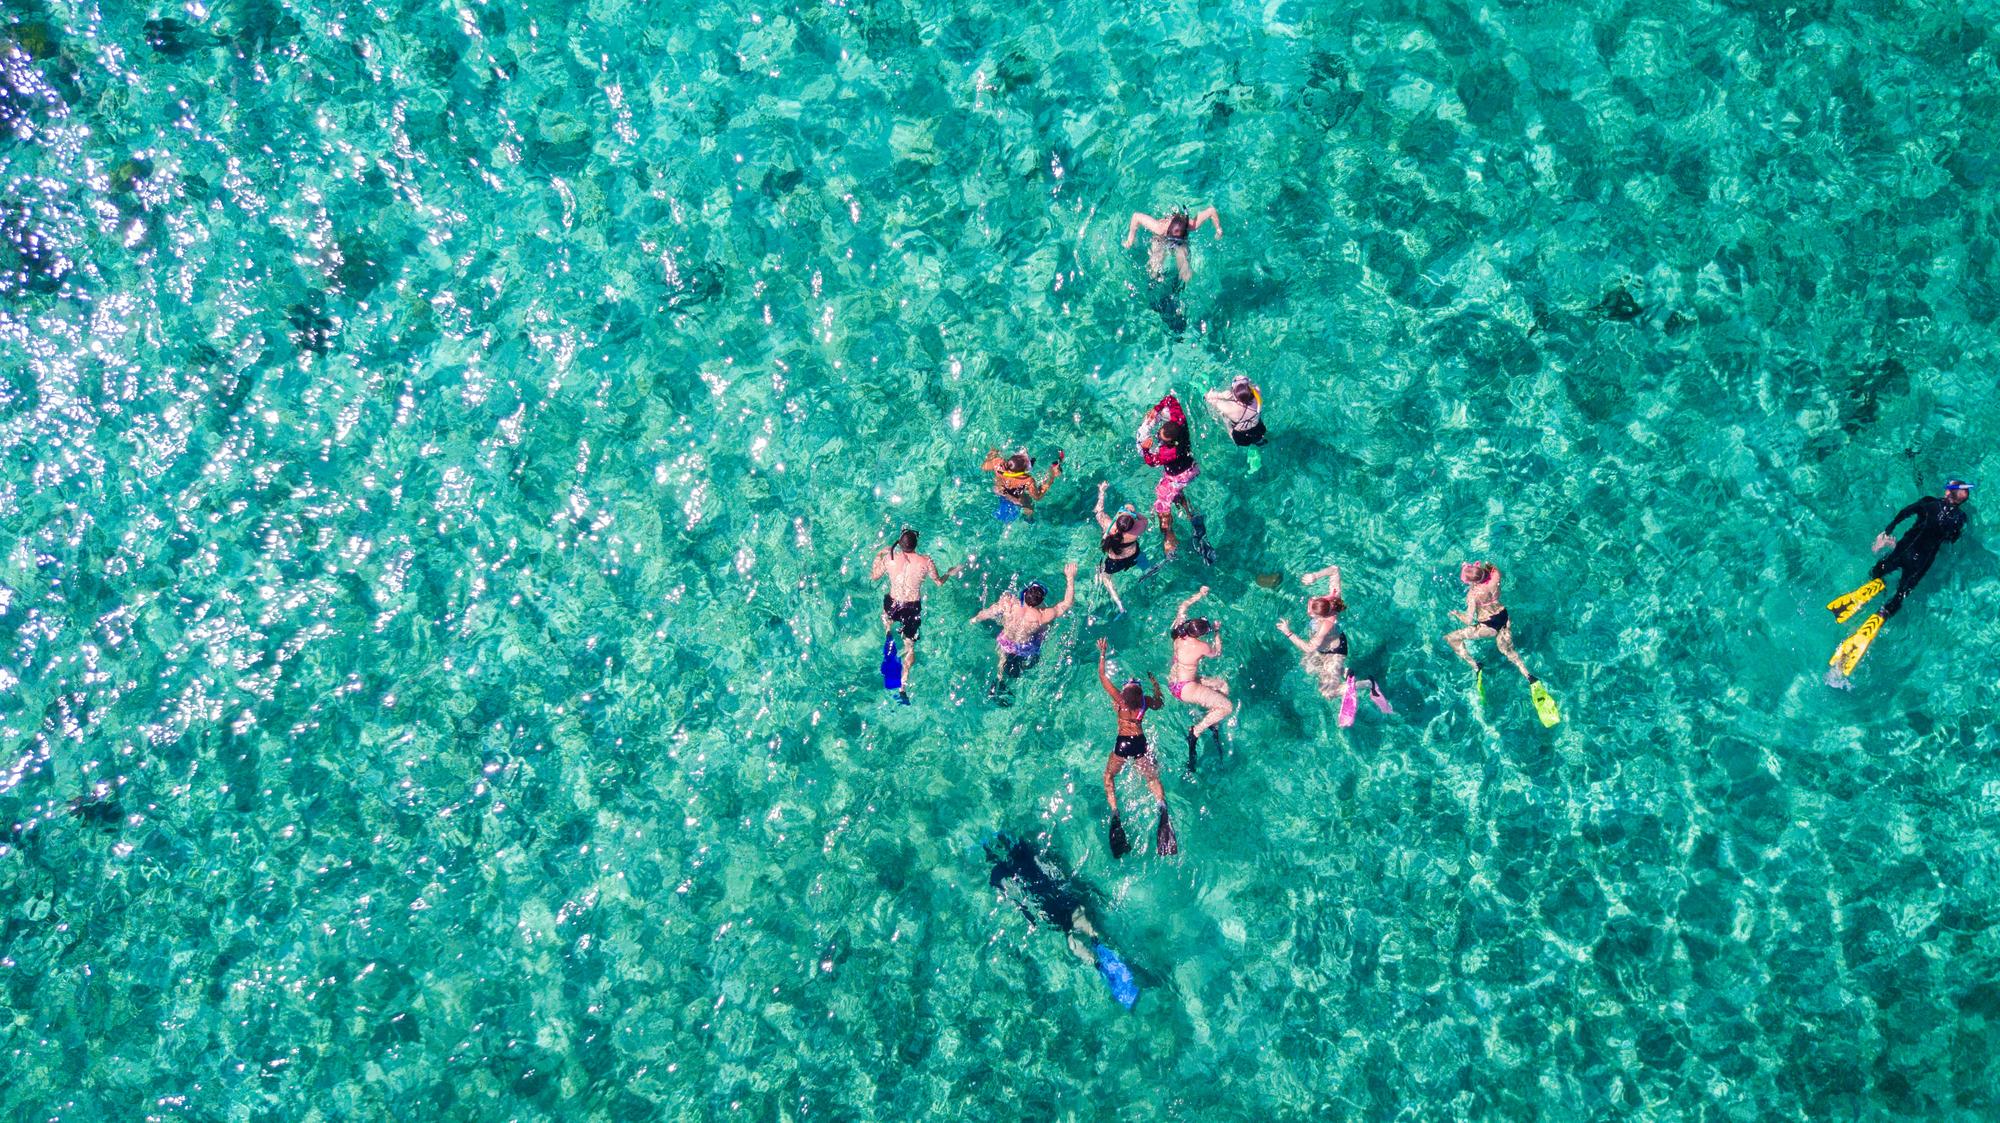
x: 1884, y: 541
x: 1103, y: 645
x: 1069, y: 569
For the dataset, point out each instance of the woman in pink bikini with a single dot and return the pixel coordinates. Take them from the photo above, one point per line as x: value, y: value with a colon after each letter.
x: 1193, y: 641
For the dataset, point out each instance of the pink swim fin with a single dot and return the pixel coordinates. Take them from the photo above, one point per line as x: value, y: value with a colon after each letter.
x: 1347, y: 704
x: 1375, y: 696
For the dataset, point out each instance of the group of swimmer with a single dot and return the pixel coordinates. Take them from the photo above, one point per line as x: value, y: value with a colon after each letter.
x: 1164, y: 441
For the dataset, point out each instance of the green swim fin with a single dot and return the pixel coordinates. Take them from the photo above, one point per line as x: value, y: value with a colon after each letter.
x: 1479, y: 685
x: 1545, y: 706
x: 1254, y: 458
x: 1845, y: 606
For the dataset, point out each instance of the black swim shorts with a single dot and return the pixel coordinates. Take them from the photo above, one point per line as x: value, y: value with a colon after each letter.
x: 910, y: 614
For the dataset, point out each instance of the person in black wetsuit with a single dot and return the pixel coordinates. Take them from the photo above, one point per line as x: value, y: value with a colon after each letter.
x: 1020, y: 875
x: 1045, y: 894
x: 1938, y: 520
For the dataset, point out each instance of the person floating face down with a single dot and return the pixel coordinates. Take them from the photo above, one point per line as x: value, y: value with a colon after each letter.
x: 1193, y: 641
x: 1938, y: 520
x: 1172, y: 452
x: 1130, y: 703
x: 1241, y: 407
x: 1014, y: 482
x: 1122, y: 544
x: 1024, y: 623
x: 1325, y: 651
x: 1045, y: 893
x: 1484, y: 616
x: 1170, y: 236
x: 903, y: 604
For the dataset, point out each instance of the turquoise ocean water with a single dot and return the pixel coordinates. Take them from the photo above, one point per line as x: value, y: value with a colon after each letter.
x: 444, y: 443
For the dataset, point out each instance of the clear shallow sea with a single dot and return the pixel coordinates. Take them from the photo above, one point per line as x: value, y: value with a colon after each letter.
x: 444, y: 443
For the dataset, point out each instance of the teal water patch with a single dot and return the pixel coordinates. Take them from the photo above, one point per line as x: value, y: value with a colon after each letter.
x: 445, y: 445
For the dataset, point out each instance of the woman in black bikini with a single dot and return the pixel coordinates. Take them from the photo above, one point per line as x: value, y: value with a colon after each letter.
x: 1120, y: 544
x: 1484, y: 616
x: 1130, y: 702
x: 1241, y: 407
x: 1326, y: 651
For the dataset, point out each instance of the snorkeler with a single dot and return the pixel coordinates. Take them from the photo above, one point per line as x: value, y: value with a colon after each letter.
x: 1130, y: 703
x: 1937, y: 521
x: 903, y: 604
x: 1024, y: 878
x: 1024, y: 623
x: 1120, y: 544
x: 1190, y: 646
x: 1171, y: 234
x: 1241, y: 408
x: 1172, y: 452
x: 1326, y: 651
x: 1014, y: 482
x: 1484, y: 616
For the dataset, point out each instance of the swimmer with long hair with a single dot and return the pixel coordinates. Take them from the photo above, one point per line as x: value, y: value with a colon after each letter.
x: 1485, y: 616
x: 1130, y: 703
x: 1121, y: 544
x: 1325, y: 650
x: 1192, y: 643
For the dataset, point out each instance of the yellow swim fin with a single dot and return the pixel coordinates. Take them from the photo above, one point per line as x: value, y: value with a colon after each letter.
x: 1848, y: 655
x: 1843, y: 607
x: 1545, y: 704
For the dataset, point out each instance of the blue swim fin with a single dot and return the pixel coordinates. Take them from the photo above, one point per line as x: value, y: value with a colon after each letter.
x: 1117, y: 976
x: 892, y: 664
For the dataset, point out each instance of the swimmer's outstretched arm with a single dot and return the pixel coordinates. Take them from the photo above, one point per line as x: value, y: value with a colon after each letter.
x: 993, y: 609
x: 881, y: 565
x: 1887, y: 538
x: 1224, y: 405
x: 1069, y: 590
x: 1331, y: 573
x: 1041, y: 488
x: 1294, y: 637
x: 1159, y: 697
x: 1140, y: 219
x: 1103, y: 519
x: 1180, y: 616
x: 1104, y: 675
x: 1208, y: 214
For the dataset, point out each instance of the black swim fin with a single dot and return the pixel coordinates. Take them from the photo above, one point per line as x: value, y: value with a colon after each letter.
x: 1193, y: 740
x: 1164, y: 842
x: 1120, y: 845
x: 1202, y: 549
